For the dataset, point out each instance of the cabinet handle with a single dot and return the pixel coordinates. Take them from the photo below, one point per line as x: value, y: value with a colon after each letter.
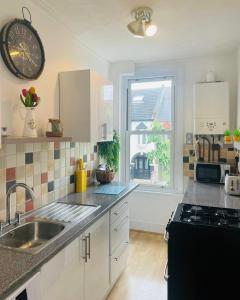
x: 104, y: 131
x: 85, y: 249
x: 166, y: 276
x: 116, y: 213
x: 89, y: 245
x: 117, y: 258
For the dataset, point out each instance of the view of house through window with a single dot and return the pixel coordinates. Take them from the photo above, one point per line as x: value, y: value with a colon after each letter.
x: 150, y: 130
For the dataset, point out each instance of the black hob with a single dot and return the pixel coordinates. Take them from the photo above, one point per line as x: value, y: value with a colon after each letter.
x: 204, y: 215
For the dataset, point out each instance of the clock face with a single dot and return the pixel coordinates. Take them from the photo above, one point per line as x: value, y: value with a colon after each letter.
x: 22, y: 49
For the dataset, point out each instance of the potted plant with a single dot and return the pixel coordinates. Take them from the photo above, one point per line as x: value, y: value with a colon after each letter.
x: 227, y: 136
x: 109, y: 154
x: 236, y: 135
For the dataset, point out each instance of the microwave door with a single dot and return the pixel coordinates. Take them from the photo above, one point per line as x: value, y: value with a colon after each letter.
x: 208, y: 173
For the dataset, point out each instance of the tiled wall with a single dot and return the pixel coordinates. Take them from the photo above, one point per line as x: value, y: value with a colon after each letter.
x: 46, y: 167
x: 189, y: 157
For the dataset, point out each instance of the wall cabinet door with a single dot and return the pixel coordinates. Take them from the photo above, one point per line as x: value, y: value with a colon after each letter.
x: 62, y: 277
x: 86, y: 106
x: 105, y: 109
x: 97, y: 283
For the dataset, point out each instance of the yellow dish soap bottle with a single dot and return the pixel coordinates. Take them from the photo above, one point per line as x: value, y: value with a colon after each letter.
x: 81, y: 177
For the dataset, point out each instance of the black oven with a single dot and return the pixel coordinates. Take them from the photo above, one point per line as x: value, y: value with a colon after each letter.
x: 203, y: 253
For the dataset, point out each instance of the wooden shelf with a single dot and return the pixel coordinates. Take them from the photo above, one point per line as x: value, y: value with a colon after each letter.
x: 23, y: 140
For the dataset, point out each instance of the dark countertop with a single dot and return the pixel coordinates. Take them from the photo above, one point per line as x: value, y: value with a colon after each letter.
x: 17, y: 267
x: 209, y: 195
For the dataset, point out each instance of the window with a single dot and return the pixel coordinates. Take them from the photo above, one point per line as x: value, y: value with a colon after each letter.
x: 150, y: 131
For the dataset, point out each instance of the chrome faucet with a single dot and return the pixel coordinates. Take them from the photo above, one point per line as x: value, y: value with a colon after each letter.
x: 8, y: 198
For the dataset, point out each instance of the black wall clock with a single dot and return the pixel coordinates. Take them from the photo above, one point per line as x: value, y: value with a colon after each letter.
x: 22, y: 49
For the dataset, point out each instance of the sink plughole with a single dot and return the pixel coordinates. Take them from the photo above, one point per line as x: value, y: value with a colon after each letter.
x: 31, y: 237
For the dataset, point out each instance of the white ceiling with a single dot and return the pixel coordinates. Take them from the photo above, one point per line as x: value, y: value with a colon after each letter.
x: 187, y: 28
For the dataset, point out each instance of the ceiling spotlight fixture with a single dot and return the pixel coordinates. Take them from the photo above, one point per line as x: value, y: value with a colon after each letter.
x: 142, y: 25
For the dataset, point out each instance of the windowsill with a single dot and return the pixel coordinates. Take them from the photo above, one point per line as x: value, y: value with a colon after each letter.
x: 151, y: 190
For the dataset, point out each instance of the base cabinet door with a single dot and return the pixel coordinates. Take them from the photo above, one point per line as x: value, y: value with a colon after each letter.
x: 97, y: 283
x: 30, y: 290
x: 119, y: 261
x: 119, y: 239
x: 62, y: 276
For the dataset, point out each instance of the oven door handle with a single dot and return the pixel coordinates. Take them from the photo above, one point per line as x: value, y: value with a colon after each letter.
x: 166, y: 235
x: 166, y: 275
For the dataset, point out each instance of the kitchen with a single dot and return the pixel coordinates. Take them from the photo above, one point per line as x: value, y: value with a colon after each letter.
x: 150, y: 91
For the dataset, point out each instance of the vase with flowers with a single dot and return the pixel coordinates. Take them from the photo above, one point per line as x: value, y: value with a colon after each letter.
x: 30, y: 100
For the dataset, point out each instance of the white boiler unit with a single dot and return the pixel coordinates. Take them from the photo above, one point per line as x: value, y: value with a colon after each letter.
x: 211, y: 108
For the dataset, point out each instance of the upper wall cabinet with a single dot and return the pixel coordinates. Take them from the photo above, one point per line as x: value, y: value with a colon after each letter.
x: 86, y: 106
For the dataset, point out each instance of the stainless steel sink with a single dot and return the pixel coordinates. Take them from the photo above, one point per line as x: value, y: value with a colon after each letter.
x: 30, y: 237
x: 43, y: 225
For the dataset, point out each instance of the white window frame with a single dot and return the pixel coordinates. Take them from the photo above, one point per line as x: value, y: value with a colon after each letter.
x: 176, y: 146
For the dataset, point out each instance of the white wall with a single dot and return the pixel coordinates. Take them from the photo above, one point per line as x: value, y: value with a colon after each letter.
x: 151, y: 211
x: 194, y: 70
x: 238, y: 104
x: 63, y: 52
x: 117, y: 71
x: 225, y: 67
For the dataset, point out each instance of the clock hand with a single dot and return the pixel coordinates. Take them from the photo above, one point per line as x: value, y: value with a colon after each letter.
x: 30, y: 59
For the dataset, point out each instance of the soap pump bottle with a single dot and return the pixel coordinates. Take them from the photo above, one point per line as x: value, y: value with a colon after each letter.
x: 81, y: 177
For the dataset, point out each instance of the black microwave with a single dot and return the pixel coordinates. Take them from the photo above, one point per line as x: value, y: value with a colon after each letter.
x: 211, y: 172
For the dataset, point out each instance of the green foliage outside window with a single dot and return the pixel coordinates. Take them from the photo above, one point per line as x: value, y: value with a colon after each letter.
x: 161, y: 153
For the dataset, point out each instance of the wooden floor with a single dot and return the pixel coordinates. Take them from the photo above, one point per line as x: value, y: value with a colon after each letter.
x: 143, y: 277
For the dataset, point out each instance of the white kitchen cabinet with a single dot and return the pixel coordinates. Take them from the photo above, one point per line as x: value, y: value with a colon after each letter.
x: 81, y: 270
x: 62, y: 277
x: 96, y: 276
x: 119, y: 239
x: 29, y: 290
x: 86, y: 106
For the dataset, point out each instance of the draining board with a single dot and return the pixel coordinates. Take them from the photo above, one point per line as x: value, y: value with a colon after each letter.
x: 62, y: 212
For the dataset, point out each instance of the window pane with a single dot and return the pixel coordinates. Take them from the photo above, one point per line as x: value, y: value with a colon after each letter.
x: 150, y: 161
x: 150, y: 101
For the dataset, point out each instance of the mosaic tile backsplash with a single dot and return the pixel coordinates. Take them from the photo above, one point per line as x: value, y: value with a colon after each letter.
x: 227, y: 155
x: 46, y: 167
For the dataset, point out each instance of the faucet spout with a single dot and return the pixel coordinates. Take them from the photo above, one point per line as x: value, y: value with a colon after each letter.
x: 8, y: 198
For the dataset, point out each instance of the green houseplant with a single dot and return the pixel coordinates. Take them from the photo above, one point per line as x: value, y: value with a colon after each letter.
x: 236, y: 135
x: 109, y: 156
x: 227, y: 136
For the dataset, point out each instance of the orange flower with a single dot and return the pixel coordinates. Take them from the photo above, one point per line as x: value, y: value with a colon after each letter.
x: 32, y: 90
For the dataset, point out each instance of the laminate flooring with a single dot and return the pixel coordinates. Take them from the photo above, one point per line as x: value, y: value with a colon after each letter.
x: 143, y: 278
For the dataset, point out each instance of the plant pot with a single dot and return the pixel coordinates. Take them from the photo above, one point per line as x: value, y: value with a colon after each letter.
x: 236, y: 138
x: 30, y: 127
x: 104, y: 176
x: 227, y: 139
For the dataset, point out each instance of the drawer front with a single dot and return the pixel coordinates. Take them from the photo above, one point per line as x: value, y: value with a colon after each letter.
x: 119, y: 261
x: 119, y: 231
x: 118, y: 210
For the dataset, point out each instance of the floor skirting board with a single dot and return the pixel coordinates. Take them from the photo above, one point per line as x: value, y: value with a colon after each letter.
x: 150, y: 227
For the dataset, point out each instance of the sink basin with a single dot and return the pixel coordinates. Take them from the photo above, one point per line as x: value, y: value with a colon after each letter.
x: 30, y: 237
